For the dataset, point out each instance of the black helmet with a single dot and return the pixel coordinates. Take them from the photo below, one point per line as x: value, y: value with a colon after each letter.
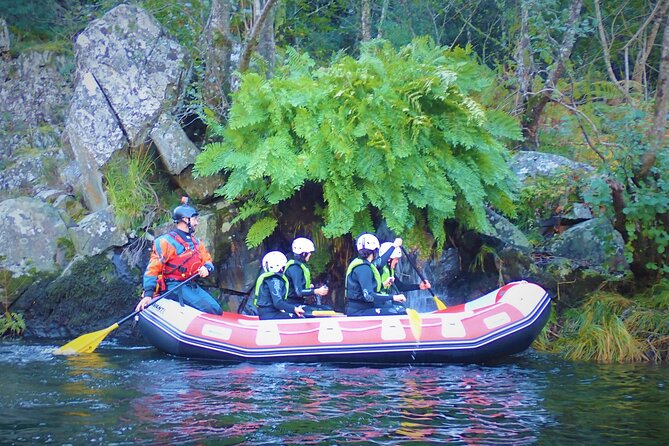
x: 184, y: 210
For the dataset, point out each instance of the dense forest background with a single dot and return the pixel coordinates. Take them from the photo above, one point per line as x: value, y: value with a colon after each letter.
x: 586, y: 79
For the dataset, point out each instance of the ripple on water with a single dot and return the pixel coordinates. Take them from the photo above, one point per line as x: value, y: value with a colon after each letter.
x: 139, y: 396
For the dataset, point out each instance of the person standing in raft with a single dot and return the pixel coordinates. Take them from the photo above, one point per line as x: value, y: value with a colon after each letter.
x: 300, y: 287
x: 271, y: 290
x: 175, y: 257
x: 391, y: 284
x: 363, y: 282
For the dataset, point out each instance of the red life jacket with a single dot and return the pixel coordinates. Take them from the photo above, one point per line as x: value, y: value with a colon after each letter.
x: 184, y: 265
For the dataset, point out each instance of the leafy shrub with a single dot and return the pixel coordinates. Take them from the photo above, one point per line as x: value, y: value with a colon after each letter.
x: 129, y: 188
x: 646, y: 202
x: 12, y: 324
x: 393, y: 134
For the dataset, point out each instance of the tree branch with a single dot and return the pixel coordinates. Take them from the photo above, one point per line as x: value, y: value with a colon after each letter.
x: 252, y: 41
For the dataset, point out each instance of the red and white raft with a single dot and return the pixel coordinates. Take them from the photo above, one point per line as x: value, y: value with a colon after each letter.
x: 500, y: 323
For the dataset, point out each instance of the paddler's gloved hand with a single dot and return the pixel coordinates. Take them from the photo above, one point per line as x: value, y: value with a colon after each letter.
x: 299, y: 311
x: 146, y: 298
x: 401, y: 298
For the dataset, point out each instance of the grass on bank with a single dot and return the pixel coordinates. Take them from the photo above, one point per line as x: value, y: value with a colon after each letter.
x: 610, y: 328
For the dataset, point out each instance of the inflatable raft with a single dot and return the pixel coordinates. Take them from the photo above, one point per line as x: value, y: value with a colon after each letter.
x: 500, y: 323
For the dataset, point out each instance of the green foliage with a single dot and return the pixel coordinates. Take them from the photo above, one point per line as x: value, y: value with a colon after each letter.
x: 67, y: 246
x: 646, y: 202
x: 260, y: 230
x: 129, y: 189
x: 611, y: 328
x: 542, y: 197
x: 392, y: 133
x: 597, y: 331
x: 11, y: 288
x: 49, y: 25
x: 12, y: 324
x: 183, y: 19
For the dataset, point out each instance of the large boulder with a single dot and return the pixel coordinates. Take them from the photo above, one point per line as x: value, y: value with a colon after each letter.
x: 128, y: 73
x: 592, y: 244
x: 528, y: 164
x: 34, y: 90
x: 96, y: 233
x: 178, y: 154
x: 32, y: 235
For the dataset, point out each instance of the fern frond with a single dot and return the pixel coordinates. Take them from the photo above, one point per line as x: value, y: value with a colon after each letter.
x: 260, y: 230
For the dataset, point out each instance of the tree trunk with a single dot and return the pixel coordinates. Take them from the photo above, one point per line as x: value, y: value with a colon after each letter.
x: 366, y: 20
x: 382, y: 19
x: 656, y: 18
x: 267, y: 45
x: 656, y: 134
x: 537, y: 104
x: 524, y: 60
x: 254, y: 36
x: 217, y: 50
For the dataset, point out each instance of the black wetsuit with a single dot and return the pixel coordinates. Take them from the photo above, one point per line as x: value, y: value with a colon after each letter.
x: 271, y: 298
x: 362, y: 297
x: 298, y: 289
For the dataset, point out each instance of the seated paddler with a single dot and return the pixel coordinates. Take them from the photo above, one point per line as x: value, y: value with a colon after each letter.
x: 175, y: 257
x: 301, y: 291
x: 391, y: 283
x: 271, y: 290
x: 364, y: 295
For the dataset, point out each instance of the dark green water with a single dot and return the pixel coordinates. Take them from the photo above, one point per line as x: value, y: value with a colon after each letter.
x: 122, y: 396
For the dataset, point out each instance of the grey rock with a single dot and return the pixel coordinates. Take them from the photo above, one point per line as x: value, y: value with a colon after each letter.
x: 128, y: 72
x: 176, y: 150
x: 96, y: 233
x: 527, y: 164
x: 593, y: 243
x: 30, y: 231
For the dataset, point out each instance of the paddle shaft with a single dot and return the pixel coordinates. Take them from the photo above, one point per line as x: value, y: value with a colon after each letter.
x: 411, y: 262
x: 156, y: 299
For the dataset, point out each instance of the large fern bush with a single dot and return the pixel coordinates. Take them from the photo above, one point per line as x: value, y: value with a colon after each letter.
x: 400, y: 134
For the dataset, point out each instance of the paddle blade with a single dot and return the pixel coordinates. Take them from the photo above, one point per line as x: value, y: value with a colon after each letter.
x: 415, y: 323
x: 326, y: 313
x: 85, y: 343
x: 440, y: 304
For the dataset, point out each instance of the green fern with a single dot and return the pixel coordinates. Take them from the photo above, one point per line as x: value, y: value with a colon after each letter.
x: 395, y: 133
x: 260, y: 230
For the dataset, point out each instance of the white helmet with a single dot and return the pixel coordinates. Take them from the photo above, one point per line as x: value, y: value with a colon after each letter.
x: 397, y: 253
x: 302, y: 245
x: 367, y: 241
x: 274, y: 261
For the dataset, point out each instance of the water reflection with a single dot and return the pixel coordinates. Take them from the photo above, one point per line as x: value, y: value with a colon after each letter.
x: 136, y: 397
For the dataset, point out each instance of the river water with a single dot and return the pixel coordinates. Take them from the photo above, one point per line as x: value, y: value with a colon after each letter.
x: 138, y: 396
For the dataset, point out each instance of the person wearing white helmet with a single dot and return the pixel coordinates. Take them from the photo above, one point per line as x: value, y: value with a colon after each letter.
x: 391, y: 283
x: 271, y: 290
x: 297, y: 272
x: 363, y: 282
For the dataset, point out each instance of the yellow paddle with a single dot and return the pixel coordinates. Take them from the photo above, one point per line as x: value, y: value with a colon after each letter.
x: 415, y: 323
x: 326, y: 313
x: 440, y: 304
x: 90, y: 341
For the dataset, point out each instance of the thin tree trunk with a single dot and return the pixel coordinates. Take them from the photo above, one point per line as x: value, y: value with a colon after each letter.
x: 606, y: 50
x: 657, y: 18
x: 266, y: 44
x: 538, y: 103
x: 382, y: 18
x: 656, y: 134
x: 218, y: 48
x: 366, y: 20
x: 523, y: 59
x: 252, y: 40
